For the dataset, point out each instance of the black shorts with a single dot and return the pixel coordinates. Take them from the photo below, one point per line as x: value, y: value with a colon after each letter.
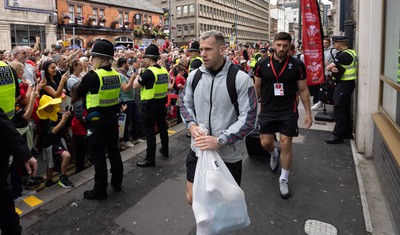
x: 191, y: 162
x: 285, y: 124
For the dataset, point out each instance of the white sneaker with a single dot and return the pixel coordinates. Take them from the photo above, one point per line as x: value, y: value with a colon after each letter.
x: 318, y: 106
x: 284, y: 189
x: 274, y: 161
x: 129, y: 144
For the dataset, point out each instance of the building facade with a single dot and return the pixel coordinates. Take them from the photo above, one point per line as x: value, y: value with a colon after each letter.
x: 126, y: 23
x: 376, y: 38
x: 244, y: 22
x: 22, y: 20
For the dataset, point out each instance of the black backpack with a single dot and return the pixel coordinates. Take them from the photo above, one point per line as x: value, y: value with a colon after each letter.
x: 230, y: 84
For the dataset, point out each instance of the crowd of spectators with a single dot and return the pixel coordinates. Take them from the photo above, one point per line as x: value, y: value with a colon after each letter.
x: 49, y: 77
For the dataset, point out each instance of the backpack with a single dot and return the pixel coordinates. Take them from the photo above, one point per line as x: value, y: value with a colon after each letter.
x: 230, y: 84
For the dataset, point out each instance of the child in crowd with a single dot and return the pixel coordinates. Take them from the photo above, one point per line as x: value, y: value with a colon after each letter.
x: 54, y: 147
x: 78, y: 129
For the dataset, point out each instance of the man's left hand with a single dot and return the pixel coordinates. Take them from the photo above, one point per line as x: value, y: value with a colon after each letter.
x: 308, y: 121
x: 206, y: 142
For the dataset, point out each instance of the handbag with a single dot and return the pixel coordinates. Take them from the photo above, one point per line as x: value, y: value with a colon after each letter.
x: 219, y: 204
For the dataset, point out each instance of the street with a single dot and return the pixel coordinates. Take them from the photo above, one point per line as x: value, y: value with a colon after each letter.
x: 323, y: 183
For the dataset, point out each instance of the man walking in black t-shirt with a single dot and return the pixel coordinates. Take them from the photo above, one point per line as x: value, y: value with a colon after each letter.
x: 278, y: 78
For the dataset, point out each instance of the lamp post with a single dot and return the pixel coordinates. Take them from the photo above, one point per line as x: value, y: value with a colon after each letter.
x: 236, y: 25
x: 169, y: 20
x: 299, y: 33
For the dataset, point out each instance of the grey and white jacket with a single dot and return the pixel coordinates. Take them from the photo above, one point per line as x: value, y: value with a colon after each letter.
x: 210, y: 105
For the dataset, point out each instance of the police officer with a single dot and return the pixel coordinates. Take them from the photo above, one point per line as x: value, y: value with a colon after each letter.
x: 346, y: 59
x: 195, y: 60
x: 100, y: 88
x: 256, y: 56
x: 11, y: 143
x: 153, y: 84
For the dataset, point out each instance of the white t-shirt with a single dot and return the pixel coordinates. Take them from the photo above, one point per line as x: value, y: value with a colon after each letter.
x: 29, y: 73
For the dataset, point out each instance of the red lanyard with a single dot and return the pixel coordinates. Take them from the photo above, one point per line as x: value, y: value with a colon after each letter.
x: 283, y: 69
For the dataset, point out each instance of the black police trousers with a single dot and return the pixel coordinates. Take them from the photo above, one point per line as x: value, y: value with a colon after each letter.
x: 105, y: 137
x: 155, y: 114
x: 9, y: 219
x: 342, y: 108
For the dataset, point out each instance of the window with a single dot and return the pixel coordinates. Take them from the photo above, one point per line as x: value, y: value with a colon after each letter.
x: 149, y: 19
x: 120, y: 19
x: 185, y: 28
x: 94, y: 14
x: 25, y: 35
x: 185, y: 10
x: 179, y: 28
x: 126, y: 17
x: 71, y: 13
x: 79, y: 15
x: 178, y: 11
x: 391, y: 66
x: 191, y: 9
x: 101, y: 14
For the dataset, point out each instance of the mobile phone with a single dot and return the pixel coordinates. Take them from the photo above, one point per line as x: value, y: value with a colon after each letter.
x: 42, y: 74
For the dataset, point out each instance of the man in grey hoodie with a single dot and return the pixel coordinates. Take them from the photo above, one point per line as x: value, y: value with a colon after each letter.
x: 210, y: 104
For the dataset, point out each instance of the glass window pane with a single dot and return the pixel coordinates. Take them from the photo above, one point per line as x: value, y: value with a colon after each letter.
x: 392, y: 41
x: 179, y: 11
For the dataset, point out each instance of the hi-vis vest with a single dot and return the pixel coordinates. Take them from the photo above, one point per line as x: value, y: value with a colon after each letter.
x: 254, y: 59
x: 110, y: 87
x: 160, y: 87
x: 351, y: 69
x: 7, y: 90
x: 191, y: 60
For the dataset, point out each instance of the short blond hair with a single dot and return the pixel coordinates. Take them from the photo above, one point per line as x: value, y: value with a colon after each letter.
x: 17, y: 66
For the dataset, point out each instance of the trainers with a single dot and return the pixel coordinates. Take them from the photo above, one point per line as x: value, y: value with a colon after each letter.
x: 284, y: 189
x: 38, y: 178
x: 31, y: 183
x: 274, y: 161
x: 49, y: 183
x: 65, y: 182
x: 317, y: 106
x: 129, y: 144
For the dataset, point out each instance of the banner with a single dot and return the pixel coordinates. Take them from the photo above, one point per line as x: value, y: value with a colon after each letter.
x: 312, y: 42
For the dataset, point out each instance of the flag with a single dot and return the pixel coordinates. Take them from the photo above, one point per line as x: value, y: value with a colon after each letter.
x: 312, y: 42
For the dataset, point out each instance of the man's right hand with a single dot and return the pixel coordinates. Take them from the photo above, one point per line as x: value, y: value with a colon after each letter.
x: 31, y: 166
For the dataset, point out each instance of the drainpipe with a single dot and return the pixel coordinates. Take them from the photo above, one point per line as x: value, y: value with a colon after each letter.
x: 347, y: 24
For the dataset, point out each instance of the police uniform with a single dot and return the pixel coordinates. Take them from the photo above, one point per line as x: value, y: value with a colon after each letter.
x: 153, y: 96
x: 342, y: 94
x: 101, y: 89
x: 256, y: 57
x: 11, y: 143
x: 197, y: 61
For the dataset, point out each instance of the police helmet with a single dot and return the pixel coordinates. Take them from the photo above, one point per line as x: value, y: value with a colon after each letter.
x: 152, y: 51
x: 103, y: 48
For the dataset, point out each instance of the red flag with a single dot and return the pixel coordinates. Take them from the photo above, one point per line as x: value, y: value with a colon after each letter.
x: 312, y: 42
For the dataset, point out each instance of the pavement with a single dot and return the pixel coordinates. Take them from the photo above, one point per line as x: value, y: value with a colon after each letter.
x: 335, y: 190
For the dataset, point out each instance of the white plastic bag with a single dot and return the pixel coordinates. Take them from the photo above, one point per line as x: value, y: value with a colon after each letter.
x: 219, y: 204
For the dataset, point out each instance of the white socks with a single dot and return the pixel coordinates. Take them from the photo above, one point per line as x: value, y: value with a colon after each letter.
x: 284, y: 175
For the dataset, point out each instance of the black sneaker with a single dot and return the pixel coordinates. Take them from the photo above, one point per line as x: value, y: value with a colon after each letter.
x: 49, y: 183
x: 93, y: 195
x: 163, y: 154
x: 38, y: 178
x: 31, y: 183
x: 65, y: 182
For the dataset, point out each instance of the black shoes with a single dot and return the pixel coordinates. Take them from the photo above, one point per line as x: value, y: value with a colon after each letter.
x: 334, y: 140
x: 146, y: 163
x: 163, y: 154
x: 116, y: 188
x: 93, y: 195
